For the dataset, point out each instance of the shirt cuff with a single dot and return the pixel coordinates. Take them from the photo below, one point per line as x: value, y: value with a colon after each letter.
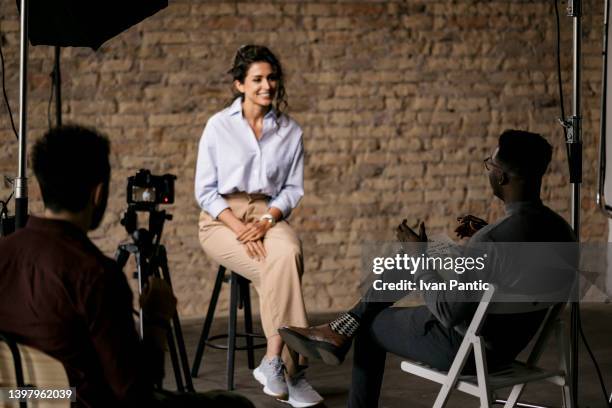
x: 215, y: 208
x: 285, y: 209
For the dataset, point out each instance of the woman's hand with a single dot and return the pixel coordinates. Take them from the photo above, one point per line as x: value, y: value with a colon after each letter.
x: 255, y: 250
x: 250, y: 234
x: 254, y: 231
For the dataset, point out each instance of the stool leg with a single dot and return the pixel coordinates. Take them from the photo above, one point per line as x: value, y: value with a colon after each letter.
x: 210, y: 314
x: 248, y: 323
x: 231, y: 331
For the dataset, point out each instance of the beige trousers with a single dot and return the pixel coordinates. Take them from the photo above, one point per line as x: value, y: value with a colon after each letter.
x: 277, y: 279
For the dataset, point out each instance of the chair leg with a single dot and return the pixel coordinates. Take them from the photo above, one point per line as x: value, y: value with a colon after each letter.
x: 453, y: 374
x: 564, y: 362
x: 231, y: 331
x: 515, y: 394
x: 210, y: 314
x: 567, y: 396
x: 481, y: 373
x: 248, y: 322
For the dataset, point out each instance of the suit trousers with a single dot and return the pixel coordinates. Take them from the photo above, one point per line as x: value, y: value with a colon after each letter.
x: 407, y: 332
x: 277, y: 279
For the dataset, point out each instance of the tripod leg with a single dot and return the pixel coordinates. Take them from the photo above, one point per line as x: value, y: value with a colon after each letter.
x: 210, y: 314
x: 141, y: 272
x: 176, y: 323
x: 170, y: 337
x: 248, y: 322
x: 175, y: 362
x: 231, y: 331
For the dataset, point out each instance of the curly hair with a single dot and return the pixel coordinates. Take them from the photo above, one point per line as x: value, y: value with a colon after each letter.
x: 249, y: 54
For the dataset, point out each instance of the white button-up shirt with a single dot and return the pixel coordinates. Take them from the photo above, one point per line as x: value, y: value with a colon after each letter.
x: 231, y: 159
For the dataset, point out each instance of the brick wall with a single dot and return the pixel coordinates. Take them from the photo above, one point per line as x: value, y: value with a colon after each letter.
x: 399, y: 101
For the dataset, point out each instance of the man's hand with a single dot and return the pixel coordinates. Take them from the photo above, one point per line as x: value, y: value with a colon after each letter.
x: 405, y: 234
x: 469, y: 225
x: 157, y: 300
x: 254, y: 231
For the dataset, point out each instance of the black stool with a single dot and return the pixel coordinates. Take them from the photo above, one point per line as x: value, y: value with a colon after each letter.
x: 239, y: 298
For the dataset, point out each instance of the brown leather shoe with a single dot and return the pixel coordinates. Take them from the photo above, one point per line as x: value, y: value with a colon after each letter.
x: 318, y: 342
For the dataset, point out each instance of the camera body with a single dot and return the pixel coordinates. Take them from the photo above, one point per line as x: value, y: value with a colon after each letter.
x: 147, y: 189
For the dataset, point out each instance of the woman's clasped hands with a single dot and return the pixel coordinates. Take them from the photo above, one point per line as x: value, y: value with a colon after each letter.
x: 251, y: 236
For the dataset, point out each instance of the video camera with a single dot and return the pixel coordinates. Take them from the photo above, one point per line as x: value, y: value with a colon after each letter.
x: 144, y: 192
x: 147, y: 189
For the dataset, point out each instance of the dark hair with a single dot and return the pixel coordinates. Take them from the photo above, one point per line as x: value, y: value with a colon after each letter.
x: 249, y: 54
x: 527, y: 154
x: 69, y: 161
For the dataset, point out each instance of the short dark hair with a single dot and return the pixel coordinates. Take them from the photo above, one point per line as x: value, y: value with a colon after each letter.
x: 69, y: 161
x: 526, y: 154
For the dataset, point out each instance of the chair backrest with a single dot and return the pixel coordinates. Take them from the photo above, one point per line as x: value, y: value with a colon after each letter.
x: 37, y: 368
x: 505, y: 302
x: 488, y: 306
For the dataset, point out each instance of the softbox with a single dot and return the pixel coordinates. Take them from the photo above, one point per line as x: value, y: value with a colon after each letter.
x: 85, y: 23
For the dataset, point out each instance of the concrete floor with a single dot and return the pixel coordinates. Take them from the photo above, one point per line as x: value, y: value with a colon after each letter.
x: 399, y: 388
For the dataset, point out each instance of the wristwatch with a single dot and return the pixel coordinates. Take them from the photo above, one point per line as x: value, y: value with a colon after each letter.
x: 269, y: 218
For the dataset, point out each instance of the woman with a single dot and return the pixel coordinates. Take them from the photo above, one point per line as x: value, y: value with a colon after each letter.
x: 249, y: 177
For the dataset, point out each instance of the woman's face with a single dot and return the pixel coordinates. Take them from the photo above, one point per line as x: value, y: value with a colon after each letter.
x: 259, y: 87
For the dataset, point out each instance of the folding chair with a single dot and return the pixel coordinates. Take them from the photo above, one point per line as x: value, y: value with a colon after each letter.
x: 23, y: 366
x: 484, y: 384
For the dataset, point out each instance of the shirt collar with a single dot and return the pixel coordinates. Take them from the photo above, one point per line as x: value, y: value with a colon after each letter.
x: 517, y: 206
x: 59, y: 226
x: 236, y: 108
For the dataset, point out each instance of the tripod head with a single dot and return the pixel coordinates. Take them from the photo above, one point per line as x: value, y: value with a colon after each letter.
x: 142, y: 237
x: 145, y: 192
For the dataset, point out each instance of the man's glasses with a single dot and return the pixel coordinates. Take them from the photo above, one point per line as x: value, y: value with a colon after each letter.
x: 488, y: 163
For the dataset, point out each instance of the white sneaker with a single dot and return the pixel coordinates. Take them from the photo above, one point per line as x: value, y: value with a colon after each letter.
x: 301, y: 393
x: 270, y: 374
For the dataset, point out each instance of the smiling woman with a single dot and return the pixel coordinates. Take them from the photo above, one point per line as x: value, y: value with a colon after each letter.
x: 249, y: 176
x: 256, y: 71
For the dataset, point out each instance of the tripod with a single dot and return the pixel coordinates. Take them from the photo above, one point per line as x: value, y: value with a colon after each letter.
x: 151, y: 260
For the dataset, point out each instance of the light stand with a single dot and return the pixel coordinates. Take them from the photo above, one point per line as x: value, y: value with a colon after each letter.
x: 574, y: 150
x: 57, y: 85
x: 66, y: 23
x: 21, y: 181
